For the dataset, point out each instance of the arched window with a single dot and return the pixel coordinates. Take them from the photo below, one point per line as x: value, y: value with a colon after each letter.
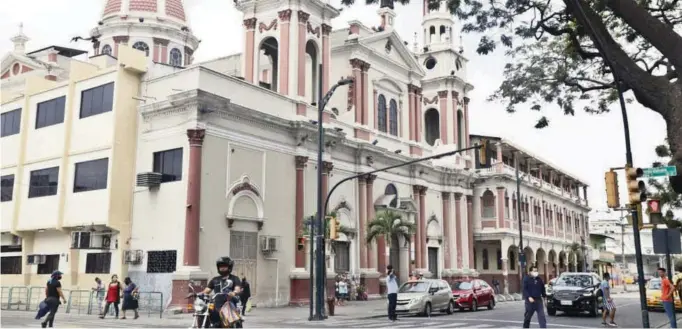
x: 106, y: 49
x: 485, y: 259
x: 391, y: 190
x: 141, y: 46
x: 393, y: 118
x: 488, y: 204
x: 460, y: 129
x: 175, y: 57
x: 432, y: 126
x: 381, y: 113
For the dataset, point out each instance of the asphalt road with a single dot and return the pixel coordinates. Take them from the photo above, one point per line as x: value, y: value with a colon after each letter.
x: 505, y: 315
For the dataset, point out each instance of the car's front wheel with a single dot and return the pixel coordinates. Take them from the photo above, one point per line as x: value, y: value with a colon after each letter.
x: 474, y: 306
x: 451, y: 308
x: 594, y: 311
x: 551, y: 311
x: 427, y: 310
x: 491, y: 304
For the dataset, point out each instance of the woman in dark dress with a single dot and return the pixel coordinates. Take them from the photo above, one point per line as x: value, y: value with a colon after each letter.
x: 130, y: 294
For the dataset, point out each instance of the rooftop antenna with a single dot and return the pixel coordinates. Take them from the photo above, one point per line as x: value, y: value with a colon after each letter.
x: 415, y: 45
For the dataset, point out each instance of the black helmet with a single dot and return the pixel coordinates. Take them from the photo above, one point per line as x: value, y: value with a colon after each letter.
x: 224, y: 261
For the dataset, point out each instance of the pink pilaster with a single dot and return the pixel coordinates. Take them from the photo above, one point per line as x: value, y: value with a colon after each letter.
x: 370, y: 216
x: 365, y: 96
x: 302, y: 29
x: 356, y: 65
x: 376, y: 111
x: 191, y: 247
x: 420, y: 115
x: 326, y: 56
x: 458, y: 228
x: 418, y: 234
x: 249, y: 39
x: 466, y: 129
x: 410, y: 111
x: 470, y: 229
x: 362, y: 210
x: 446, y: 228
x: 300, y: 206
x: 455, y: 121
x: 500, y: 207
x: 443, y: 98
x: 285, y: 50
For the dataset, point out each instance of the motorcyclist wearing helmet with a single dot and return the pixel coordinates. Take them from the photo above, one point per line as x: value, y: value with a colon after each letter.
x: 224, y: 279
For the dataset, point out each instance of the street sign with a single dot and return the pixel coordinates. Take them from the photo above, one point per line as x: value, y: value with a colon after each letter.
x: 667, y: 241
x: 660, y: 171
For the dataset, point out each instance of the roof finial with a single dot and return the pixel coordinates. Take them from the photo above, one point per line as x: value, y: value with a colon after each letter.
x: 415, y: 45
x: 20, y: 40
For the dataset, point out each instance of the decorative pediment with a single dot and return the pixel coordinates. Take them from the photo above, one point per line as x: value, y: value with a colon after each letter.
x: 407, y: 204
x: 398, y: 50
x: 13, y: 64
x: 244, y: 184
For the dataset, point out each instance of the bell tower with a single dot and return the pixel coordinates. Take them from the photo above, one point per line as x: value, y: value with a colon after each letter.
x: 285, y: 43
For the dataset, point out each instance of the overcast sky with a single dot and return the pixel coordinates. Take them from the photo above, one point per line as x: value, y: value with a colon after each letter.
x: 583, y: 145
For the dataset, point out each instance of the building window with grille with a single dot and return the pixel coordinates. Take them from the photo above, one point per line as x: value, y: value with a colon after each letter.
x: 169, y: 165
x: 162, y: 261
x: 98, y: 262
x: 7, y: 187
x: 10, y: 265
x: 141, y: 46
x: 342, y: 256
x: 393, y: 118
x: 381, y: 113
x: 175, y: 57
x: 488, y: 205
x: 43, y: 182
x: 51, y: 264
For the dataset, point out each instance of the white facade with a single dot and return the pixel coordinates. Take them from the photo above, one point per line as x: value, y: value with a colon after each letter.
x: 234, y: 140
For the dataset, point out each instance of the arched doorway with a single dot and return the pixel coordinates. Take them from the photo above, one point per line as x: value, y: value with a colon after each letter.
x: 312, y: 71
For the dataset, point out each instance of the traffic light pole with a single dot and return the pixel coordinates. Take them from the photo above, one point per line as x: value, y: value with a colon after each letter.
x: 577, y: 7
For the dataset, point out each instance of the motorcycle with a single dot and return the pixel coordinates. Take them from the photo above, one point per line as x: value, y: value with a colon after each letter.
x: 205, y: 312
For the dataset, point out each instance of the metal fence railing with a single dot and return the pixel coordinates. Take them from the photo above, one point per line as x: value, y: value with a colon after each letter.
x: 77, y: 301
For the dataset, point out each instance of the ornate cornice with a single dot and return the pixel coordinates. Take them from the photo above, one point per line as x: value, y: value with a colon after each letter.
x: 443, y: 94
x: 326, y: 29
x: 196, y: 136
x: 370, y: 178
x: 250, y: 23
x: 365, y: 66
x: 303, y: 17
x: 284, y: 15
x: 121, y: 39
x: 455, y: 95
x: 466, y: 100
x: 356, y: 63
x: 160, y: 41
x: 301, y: 161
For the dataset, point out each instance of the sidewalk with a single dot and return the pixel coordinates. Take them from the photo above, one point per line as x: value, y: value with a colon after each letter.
x: 356, y: 309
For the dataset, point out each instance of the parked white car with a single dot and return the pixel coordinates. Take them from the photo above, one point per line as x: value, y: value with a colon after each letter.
x: 424, y: 296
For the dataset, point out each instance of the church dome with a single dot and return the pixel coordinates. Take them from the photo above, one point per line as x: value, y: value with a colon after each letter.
x: 157, y: 27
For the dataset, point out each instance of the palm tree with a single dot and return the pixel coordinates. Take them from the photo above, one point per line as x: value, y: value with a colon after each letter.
x: 389, y: 224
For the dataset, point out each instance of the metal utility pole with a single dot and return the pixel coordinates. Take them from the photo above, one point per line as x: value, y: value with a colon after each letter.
x: 320, y: 266
x: 581, y: 17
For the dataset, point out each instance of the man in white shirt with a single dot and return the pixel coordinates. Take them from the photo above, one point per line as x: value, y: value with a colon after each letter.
x: 392, y: 292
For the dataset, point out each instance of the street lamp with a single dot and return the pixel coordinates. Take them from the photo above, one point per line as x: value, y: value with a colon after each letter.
x: 320, y: 267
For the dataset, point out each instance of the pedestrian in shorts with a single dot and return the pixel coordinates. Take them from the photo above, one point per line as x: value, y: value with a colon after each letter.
x: 609, y: 308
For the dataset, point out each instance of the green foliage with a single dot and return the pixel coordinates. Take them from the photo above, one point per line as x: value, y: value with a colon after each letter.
x: 388, y: 223
x: 661, y: 189
x: 305, y: 230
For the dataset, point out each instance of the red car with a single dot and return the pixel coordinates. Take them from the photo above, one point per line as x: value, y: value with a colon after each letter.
x: 472, y: 294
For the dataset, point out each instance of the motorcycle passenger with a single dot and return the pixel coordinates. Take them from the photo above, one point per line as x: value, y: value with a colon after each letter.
x: 218, y: 284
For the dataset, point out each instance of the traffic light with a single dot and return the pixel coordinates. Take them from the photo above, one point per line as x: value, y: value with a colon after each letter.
x: 300, y: 244
x: 654, y: 211
x: 636, y: 189
x: 612, y: 197
x: 333, y: 228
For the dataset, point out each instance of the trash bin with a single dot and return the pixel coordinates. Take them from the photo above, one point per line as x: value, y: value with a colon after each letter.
x: 330, y: 305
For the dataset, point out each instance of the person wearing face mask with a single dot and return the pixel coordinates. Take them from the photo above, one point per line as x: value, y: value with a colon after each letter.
x: 533, y: 294
x: 53, y: 293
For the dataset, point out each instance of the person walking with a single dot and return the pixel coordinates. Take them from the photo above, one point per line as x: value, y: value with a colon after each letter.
x: 496, y: 285
x: 113, y: 296
x: 609, y: 307
x: 245, y: 294
x: 667, y: 292
x: 53, y: 293
x: 130, y: 298
x: 392, y: 292
x: 533, y: 294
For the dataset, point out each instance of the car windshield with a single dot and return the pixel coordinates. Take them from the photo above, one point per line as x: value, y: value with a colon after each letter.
x: 409, y: 287
x: 654, y: 285
x: 462, y: 285
x: 574, y: 281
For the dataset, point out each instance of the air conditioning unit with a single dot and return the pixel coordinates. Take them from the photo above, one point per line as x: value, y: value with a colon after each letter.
x: 106, y: 241
x: 35, y: 259
x: 268, y: 244
x: 133, y: 257
x: 149, y: 179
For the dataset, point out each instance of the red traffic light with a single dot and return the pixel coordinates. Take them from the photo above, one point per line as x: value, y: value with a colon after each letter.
x: 654, y: 206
